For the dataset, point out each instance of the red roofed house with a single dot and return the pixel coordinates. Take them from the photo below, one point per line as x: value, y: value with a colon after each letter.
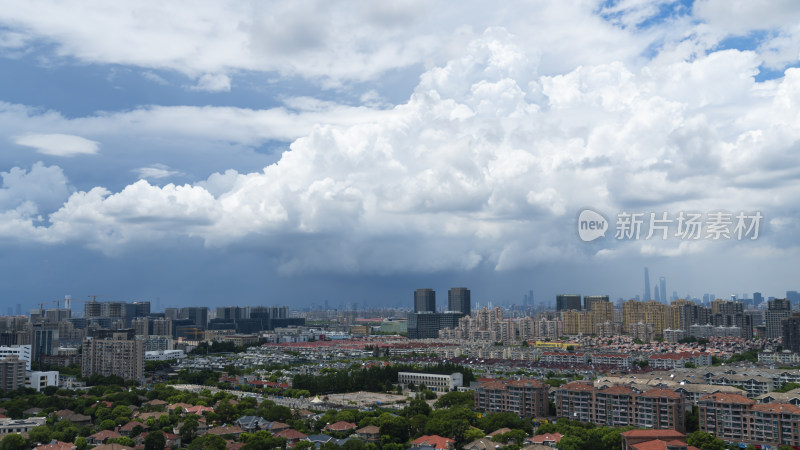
x: 634, y: 437
x: 340, y: 426
x: 550, y: 439
x: 102, y: 436
x: 199, y: 409
x: 291, y: 435
x: 437, y: 442
x: 57, y: 445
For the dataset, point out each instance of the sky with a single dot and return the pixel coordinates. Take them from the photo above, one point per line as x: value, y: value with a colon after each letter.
x: 292, y: 153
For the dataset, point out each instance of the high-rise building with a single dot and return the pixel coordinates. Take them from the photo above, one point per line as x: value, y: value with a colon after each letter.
x: 12, y: 373
x: 117, y: 356
x: 92, y: 309
x: 528, y: 301
x: 232, y: 312
x: 142, y: 308
x: 424, y: 300
x: 791, y: 333
x: 565, y: 302
x: 757, y: 298
x: 662, y: 288
x: 458, y: 300
x: 793, y: 297
x: 588, y: 300
x: 647, y: 295
x: 777, y: 310
x: 198, y: 315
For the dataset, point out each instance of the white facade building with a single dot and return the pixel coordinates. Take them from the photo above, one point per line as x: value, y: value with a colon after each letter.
x: 433, y: 381
x: 22, y: 352
x: 39, y: 380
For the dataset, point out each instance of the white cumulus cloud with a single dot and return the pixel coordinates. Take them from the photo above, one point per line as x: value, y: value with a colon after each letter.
x: 58, y: 144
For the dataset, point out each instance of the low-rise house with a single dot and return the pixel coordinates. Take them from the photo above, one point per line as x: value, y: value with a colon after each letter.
x: 102, y: 436
x: 435, y: 441
x: 57, y: 445
x: 291, y: 435
x: 369, y: 433
x: 635, y: 437
x: 548, y: 439
x: 252, y: 424
x: 483, y: 444
x: 225, y: 430
x: 340, y: 427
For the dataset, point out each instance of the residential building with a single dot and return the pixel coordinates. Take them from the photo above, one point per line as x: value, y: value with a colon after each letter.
x: 777, y: 310
x: 118, y: 356
x: 621, y: 406
x: 526, y: 398
x: 12, y: 373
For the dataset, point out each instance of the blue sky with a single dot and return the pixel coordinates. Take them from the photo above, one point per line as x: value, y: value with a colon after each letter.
x: 297, y: 152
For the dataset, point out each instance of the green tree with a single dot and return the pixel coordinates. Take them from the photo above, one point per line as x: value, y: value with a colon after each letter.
x: 81, y: 443
x: 208, y: 442
x: 14, y: 442
x: 705, y: 441
x: 189, y: 429
x: 107, y: 424
x: 304, y: 445
x: 455, y: 398
x: 40, y: 434
x: 692, y: 422
x: 155, y: 440
x: 396, y: 427
x: 570, y: 443
x: 418, y: 407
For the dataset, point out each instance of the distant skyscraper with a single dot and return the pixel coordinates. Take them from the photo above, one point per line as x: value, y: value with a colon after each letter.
x: 793, y: 297
x: 757, y: 298
x: 777, y: 310
x: 646, y: 285
x: 565, y: 302
x: 527, y: 300
x: 588, y: 300
x: 662, y: 287
x: 424, y: 300
x: 458, y: 299
x: 657, y: 296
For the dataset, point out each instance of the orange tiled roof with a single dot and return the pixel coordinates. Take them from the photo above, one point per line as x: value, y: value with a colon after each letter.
x: 722, y: 397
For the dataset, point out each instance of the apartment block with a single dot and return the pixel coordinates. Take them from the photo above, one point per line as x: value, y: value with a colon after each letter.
x: 621, y: 406
x: 117, y: 356
x: 734, y: 417
x: 527, y: 398
x: 12, y: 373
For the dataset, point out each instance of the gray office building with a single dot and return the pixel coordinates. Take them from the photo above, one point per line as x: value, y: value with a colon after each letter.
x: 459, y: 300
x: 424, y: 300
x: 568, y: 301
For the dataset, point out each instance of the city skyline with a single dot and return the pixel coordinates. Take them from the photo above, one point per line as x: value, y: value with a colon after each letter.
x: 302, y: 153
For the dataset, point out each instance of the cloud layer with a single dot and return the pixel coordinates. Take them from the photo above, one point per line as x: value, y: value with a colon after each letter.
x: 487, y: 163
x: 520, y: 116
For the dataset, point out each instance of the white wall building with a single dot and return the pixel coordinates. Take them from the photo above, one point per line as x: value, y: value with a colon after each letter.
x: 39, y: 380
x: 22, y: 352
x: 164, y: 355
x: 434, y: 381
